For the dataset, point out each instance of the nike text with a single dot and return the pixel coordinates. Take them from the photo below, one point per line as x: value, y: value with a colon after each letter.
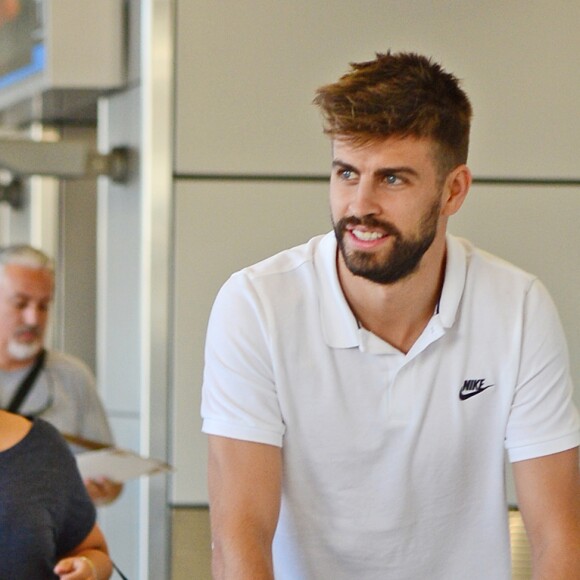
x: 472, y: 387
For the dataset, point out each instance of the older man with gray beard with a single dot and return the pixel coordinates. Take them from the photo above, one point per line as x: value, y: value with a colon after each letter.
x: 39, y: 383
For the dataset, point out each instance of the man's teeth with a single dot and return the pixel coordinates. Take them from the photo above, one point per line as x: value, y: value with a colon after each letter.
x: 366, y: 236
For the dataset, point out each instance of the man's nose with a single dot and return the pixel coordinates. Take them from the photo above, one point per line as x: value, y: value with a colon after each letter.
x: 33, y: 315
x: 364, y: 201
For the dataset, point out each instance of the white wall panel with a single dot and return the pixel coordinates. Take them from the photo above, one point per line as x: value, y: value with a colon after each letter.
x: 247, y: 72
x: 219, y: 228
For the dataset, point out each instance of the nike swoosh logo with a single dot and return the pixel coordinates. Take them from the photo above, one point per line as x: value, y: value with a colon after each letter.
x: 464, y: 394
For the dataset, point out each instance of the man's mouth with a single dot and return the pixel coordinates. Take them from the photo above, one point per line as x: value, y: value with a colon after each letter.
x: 27, y: 335
x: 366, y: 236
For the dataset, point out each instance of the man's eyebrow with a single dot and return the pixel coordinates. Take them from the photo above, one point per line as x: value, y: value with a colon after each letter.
x: 397, y: 171
x: 343, y: 165
x: 24, y: 296
x: 382, y: 172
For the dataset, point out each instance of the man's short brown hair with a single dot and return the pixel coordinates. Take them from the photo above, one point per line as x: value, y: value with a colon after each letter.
x: 399, y: 95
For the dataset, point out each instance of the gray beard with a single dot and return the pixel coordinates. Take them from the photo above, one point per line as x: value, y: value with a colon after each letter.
x: 23, y: 351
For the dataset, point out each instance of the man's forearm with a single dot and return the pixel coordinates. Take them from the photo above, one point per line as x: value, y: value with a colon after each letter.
x: 245, y: 494
x: 242, y: 559
x: 558, y: 563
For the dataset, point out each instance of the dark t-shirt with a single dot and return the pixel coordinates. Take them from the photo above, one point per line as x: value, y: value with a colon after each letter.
x: 45, y: 510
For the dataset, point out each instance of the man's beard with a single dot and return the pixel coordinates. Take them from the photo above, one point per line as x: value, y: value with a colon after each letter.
x: 405, y: 255
x: 20, y: 350
x: 24, y: 350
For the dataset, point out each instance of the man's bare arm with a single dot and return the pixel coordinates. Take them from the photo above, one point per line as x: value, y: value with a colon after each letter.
x: 548, y: 490
x: 245, y: 482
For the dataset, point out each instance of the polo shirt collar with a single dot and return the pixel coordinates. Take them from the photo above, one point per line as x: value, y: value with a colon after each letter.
x: 339, y: 325
x: 454, y: 283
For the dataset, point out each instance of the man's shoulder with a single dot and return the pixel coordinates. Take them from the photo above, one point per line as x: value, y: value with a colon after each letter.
x: 482, y: 280
x: 67, y: 364
x: 280, y: 282
x: 287, y: 260
x: 480, y: 261
x: 288, y: 269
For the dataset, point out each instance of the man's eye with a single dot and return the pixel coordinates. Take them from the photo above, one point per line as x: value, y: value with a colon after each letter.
x: 392, y: 179
x: 345, y: 173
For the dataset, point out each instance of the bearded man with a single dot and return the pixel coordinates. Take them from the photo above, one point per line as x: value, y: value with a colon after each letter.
x: 361, y: 390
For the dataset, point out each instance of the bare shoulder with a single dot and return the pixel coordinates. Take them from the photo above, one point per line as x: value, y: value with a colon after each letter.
x: 13, y: 428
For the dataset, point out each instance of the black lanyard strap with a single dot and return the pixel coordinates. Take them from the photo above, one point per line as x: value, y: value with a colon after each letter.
x: 26, y: 384
x: 119, y: 571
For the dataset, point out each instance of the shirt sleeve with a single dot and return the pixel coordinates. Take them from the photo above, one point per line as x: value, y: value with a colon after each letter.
x: 239, y: 393
x: 543, y: 418
x: 95, y: 425
x: 77, y: 408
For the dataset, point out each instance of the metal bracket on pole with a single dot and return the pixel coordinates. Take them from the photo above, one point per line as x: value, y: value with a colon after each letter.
x: 61, y: 159
x: 10, y: 189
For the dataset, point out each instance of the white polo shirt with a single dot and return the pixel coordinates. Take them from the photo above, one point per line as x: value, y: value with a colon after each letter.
x: 393, y: 463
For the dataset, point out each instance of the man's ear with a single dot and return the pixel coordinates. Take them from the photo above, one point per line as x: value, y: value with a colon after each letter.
x: 455, y: 189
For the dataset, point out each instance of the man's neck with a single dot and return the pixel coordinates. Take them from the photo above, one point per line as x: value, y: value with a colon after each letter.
x: 398, y: 313
x: 9, y: 364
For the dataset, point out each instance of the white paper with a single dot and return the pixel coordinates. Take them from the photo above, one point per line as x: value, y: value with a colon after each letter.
x: 117, y: 465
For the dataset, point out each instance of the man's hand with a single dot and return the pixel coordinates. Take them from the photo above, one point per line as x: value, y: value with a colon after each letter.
x: 102, y: 490
x: 76, y: 568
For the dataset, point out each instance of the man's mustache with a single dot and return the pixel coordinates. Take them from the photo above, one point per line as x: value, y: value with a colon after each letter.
x: 35, y: 330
